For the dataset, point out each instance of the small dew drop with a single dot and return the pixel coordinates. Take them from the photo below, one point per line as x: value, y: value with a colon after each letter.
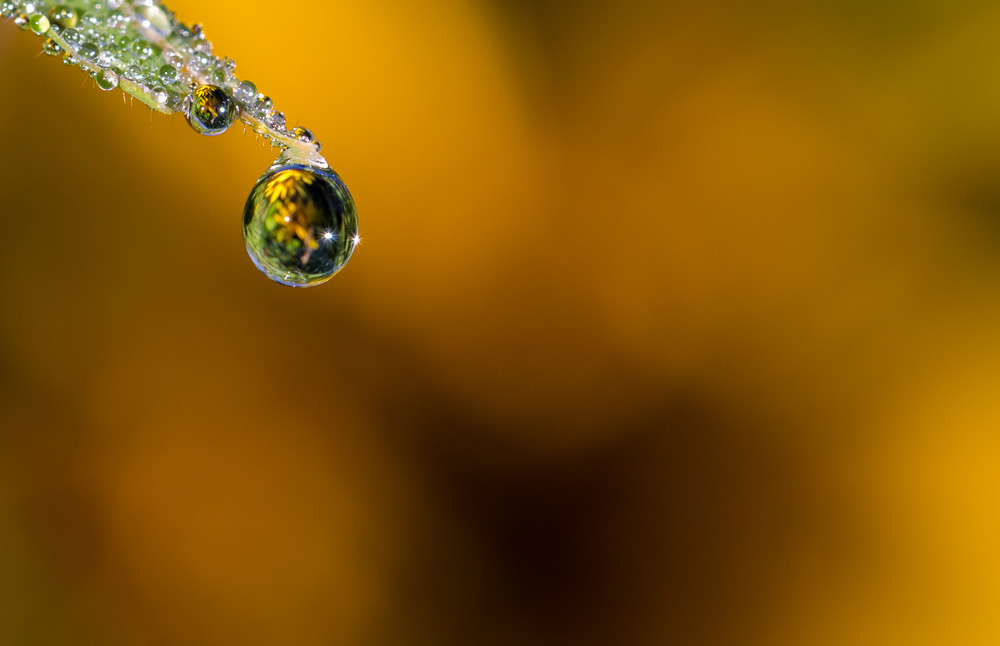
x: 51, y: 47
x: 106, y: 80
x: 38, y: 23
x: 245, y: 92
x: 63, y: 16
x: 304, y: 135
x: 89, y: 52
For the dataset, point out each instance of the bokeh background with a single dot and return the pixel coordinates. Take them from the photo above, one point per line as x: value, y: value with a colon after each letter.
x: 672, y: 323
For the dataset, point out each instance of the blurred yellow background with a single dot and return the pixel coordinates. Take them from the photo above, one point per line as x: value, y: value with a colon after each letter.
x: 672, y: 323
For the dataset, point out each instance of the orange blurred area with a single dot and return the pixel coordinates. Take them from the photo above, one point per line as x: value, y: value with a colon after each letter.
x: 672, y: 323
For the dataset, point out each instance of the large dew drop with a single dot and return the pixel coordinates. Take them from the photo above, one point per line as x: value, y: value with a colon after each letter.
x: 300, y: 225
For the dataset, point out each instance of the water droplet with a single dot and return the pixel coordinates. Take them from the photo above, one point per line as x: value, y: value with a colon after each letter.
x: 117, y: 21
x: 142, y: 49
x: 8, y: 9
x: 174, y: 59
x: 300, y: 224
x: 156, y: 19
x: 89, y: 52
x: 106, y: 80
x: 38, y: 23
x: 63, y: 16
x: 174, y: 101
x: 108, y: 58
x: 277, y: 121
x: 245, y: 92
x: 167, y: 74
x: 72, y: 37
x: 264, y: 104
x: 304, y: 135
x: 90, y: 21
x: 159, y: 95
x: 198, y: 61
x: 211, y: 111
x: 51, y: 47
x: 213, y: 77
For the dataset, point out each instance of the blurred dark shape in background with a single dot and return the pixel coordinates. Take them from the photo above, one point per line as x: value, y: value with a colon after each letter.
x: 672, y: 323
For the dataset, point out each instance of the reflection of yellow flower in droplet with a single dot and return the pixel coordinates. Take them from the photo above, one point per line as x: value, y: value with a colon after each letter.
x: 288, y: 184
x: 207, y: 101
x: 293, y: 222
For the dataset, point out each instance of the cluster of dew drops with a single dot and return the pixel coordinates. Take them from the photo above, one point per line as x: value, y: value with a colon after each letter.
x: 141, y: 48
x: 300, y: 222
